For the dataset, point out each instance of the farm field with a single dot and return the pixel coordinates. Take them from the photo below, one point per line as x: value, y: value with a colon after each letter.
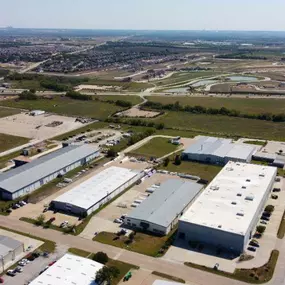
x: 68, y: 107
x: 157, y: 147
x: 8, y: 142
x: 5, y: 112
x: 244, y: 105
x: 223, y: 125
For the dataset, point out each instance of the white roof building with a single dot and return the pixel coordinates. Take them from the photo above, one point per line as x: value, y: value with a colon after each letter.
x: 229, y: 206
x: 97, y: 190
x: 69, y: 270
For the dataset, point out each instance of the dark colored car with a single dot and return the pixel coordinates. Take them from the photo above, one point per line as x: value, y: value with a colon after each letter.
x: 1, y: 280
x: 52, y: 219
x: 254, y: 244
x: 264, y: 218
x: 251, y: 248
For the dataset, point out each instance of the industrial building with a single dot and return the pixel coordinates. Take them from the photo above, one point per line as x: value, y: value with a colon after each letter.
x: 160, y: 212
x: 226, y: 213
x: 218, y: 151
x: 9, y: 250
x: 274, y: 159
x: 93, y: 193
x: 27, y: 178
x: 69, y: 270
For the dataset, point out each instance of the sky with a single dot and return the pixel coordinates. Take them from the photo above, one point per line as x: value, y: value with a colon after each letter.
x: 265, y: 15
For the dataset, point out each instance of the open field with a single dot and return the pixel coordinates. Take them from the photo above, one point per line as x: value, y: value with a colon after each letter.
x: 133, y: 99
x: 157, y: 147
x: 9, y: 141
x: 223, y: 125
x: 5, y: 112
x: 69, y: 107
x: 204, y: 171
x: 245, y: 106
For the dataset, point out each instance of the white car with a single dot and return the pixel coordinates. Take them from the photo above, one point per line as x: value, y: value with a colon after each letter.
x: 22, y: 203
x: 118, y: 221
x: 25, y: 260
x: 21, y: 263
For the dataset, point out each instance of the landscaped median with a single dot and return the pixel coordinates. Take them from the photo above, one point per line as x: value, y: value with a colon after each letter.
x: 123, y: 267
x: 169, y: 277
x: 281, y: 230
x: 255, y: 275
x: 143, y: 243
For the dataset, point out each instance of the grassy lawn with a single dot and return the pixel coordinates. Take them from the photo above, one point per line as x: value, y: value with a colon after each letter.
x: 223, y: 125
x: 255, y: 275
x: 204, y: 171
x: 143, y: 243
x: 281, y: 230
x: 5, y: 112
x: 169, y: 277
x: 133, y: 99
x: 65, y: 106
x: 244, y: 105
x: 6, y: 158
x: 156, y: 147
x: 7, y: 141
x: 262, y: 143
x: 122, y: 266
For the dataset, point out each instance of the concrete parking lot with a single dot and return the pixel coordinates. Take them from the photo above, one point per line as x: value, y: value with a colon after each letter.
x: 182, y: 252
x: 33, y: 243
x: 37, y: 127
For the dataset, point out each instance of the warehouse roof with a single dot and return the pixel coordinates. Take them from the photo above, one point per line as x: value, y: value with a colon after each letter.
x: 7, y: 244
x: 69, y: 270
x: 231, y: 200
x: 91, y: 191
x: 220, y: 147
x: 169, y: 200
x: 27, y: 174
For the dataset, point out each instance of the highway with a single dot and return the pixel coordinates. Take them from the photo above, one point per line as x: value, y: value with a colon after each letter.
x: 145, y: 262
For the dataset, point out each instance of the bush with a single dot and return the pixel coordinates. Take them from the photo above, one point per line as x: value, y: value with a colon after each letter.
x: 28, y: 95
x: 261, y: 229
x: 269, y: 208
x: 78, y: 96
x: 40, y: 220
x: 101, y: 257
x: 177, y: 160
x: 166, y: 162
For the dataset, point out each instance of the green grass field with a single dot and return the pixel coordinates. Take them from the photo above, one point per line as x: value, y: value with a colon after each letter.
x: 5, y: 112
x: 134, y: 100
x: 204, y: 171
x: 66, y: 106
x: 8, y: 141
x: 156, y: 147
x: 244, y: 105
x: 223, y: 125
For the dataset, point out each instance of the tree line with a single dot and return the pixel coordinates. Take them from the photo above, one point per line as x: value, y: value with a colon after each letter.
x: 214, y: 111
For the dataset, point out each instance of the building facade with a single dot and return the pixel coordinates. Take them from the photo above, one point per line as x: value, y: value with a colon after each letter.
x: 27, y: 178
x: 226, y: 213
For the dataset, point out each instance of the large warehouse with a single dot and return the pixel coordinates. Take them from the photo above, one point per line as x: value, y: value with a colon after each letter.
x: 226, y: 213
x: 9, y: 250
x: 218, y: 150
x: 90, y: 195
x: 69, y: 270
x: 27, y: 178
x: 160, y: 212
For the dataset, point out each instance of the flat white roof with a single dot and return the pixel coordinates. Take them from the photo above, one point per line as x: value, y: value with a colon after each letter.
x: 97, y: 187
x: 230, y: 201
x: 69, y: 270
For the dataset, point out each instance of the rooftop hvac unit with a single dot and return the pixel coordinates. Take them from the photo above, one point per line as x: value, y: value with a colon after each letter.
x: 240, y: 214
x: 249, y: 198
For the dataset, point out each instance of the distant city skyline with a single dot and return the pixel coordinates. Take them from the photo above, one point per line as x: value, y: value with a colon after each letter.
x: 241, y: 15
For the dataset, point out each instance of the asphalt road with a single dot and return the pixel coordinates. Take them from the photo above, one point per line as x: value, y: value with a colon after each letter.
x: 145, y: 262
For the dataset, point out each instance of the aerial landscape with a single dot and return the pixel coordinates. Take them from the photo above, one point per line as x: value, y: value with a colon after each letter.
x: 142, y: 146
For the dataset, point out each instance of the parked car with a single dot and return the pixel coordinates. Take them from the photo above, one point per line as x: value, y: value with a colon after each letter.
x: 52, y: 219
x: 11, y: 273
x: 64, y: 224
x: 118, y: 221
x: 36, y: 254
x: 1, y: 280
x: 263, y: 222
x: 216, y: 266
x: 252, y: 243
x: 46, y: 254
x: 276, y: 190
x: 8, y: 211
x: 52, y: 263
x: 22, y: 203
x: 16, y: 206
x: 264, y: 218
x: 275, y: 197
x: 251, y: 248
x: 22, y: 263
x: 19, y: 269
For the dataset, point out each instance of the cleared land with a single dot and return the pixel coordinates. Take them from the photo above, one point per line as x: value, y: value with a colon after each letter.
x: 156, y: 147
x: 204, y: 171
x: 8, y: 141
x: 246, y: 105
x: 69, y: 107
x: 223, y: 125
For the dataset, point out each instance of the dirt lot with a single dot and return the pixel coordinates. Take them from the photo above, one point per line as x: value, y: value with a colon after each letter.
x: 135, y: 112
x: 24, y: 125
x: 27, y: 242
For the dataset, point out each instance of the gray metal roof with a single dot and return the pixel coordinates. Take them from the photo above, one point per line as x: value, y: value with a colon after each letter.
x: 25, y: 175
x: 168, y: 201
x: 7, y: 244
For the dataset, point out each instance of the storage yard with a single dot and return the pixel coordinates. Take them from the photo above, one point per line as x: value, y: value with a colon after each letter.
x: 226, y: 213
x: 39, y: 127
x: 31, y: 176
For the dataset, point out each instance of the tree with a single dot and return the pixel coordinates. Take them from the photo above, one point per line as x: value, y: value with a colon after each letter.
x: 269, y: 208
x: 177, y: 160
x: 107, y: 274
x: 261, y: 229
x: 131, y: 236
x: 160, y: 126
x: 27, y: 95
x: 166, y: 162
x: 101, y: 257
x: 111, y: 153
x: 40, y: 219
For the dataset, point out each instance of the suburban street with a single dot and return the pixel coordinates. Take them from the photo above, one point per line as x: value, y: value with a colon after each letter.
x: 144, y: 262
